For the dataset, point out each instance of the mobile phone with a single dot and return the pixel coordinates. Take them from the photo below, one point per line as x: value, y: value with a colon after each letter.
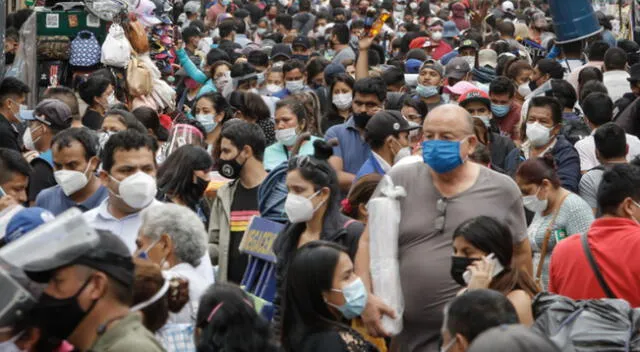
x: 2, y: 192
x: 497, y: 267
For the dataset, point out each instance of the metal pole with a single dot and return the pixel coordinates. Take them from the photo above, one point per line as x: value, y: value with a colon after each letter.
x: 3, y: 24
x: 632, y: 25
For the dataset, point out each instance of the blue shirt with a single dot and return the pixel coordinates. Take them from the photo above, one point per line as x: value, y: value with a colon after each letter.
x: 371, y: 166
x: 277, y: 153
x: 54, y: 200
x: 351, y: 148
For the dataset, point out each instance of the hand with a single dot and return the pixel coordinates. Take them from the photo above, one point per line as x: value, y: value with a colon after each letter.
x: 372, y: 315
x: 478, y: 12
x: 481, y: 274
x: 30, y: 155
x: 365, y: 42
x: 7, y: 201
x: 179, y: 44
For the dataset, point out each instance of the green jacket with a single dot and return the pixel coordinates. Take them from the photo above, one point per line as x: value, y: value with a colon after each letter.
x: 220, y: 228
x: 127, y: 335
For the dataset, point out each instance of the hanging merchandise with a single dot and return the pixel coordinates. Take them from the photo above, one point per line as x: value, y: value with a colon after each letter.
x: 85, y: 50
x: 116, y: 49
x: 139, y: 80
x: 53, y: 47
x: 137, y: 37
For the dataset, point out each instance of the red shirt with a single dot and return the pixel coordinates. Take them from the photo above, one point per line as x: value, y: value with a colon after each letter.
x: 441, y: 50
x: 615, y: 244
x: 510, y: 124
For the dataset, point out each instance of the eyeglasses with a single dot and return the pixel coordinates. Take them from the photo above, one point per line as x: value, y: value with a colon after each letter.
x: 441, y: 207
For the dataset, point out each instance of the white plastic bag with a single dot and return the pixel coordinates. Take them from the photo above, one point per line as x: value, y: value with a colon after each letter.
x: 116, y: 49
x: 384, y: 221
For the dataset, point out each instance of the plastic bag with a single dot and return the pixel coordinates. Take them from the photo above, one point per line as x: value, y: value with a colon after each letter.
x: 116, y: 49
x: 139, y: 81
x: 384, y: 221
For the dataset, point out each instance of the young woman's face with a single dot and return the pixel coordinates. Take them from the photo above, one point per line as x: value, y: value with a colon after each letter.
x: 341, y: 88
x: 343, y: 275
x: 103, y: 99
x: 285, y: 118
x: 523, y: 77
x: 220, y: 71
x: 276, y: 78
x: 462, y: 248
x: 296, y: 184
x: 411, y: 114
x: 205, y: 106
x: 112, y: 123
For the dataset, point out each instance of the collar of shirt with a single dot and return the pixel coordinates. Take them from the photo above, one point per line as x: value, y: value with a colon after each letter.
x: 351, y: 124
x: 526, y: 148
x: 616, y: 74
x: 383, y: 163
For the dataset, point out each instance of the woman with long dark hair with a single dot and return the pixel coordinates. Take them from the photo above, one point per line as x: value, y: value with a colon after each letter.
x: 184, y: 177
x: 313, y: 210
x: 252, y: 108
x: 473, y: 241
x: 227, y: 321
x: 341, y: 94
x: 212, y: 110
x: 322, y: 293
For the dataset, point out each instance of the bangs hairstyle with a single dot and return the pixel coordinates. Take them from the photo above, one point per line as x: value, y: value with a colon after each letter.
x: 536, y: 170
x: 175, y: 175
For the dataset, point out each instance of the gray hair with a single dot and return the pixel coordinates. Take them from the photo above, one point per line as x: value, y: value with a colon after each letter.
x: 181, y: 224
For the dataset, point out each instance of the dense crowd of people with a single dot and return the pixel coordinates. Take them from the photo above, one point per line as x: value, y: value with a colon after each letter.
x: 506, y: 159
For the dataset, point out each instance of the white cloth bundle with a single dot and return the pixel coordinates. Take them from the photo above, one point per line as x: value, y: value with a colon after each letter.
x: 384, y: 221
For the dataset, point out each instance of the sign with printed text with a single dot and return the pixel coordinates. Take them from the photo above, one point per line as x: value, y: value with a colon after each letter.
x: 259, y: 238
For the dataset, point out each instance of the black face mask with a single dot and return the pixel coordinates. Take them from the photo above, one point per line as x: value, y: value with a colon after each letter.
x: 9, y: 57
x: 533, y: 85
x: 60, y: 317
x: 230, y: 168
x: 458, y: 267
x: 198, y: 188
x: 361, y: 119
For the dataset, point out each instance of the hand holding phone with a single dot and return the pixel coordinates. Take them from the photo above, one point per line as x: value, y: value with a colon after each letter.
x: 480, y: 273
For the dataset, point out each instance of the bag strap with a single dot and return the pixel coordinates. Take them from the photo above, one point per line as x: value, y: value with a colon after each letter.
x: 594, y: 266
x: 547, y: 236
x: 348, y: 222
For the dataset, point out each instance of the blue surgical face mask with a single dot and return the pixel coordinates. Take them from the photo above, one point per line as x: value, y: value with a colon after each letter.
x: 426, y: 91
x: 208, y: 121
x: 145, y: 254
x: 442, y: 156
x: 500, y: 110
x: 303, y: 58
x: 260, y: 78
x: 355, y: 298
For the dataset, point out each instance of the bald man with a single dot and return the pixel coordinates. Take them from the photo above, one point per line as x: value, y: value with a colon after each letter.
x: 442, y: 192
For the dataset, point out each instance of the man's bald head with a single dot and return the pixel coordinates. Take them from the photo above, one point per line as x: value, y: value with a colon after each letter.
x: 451, y: 117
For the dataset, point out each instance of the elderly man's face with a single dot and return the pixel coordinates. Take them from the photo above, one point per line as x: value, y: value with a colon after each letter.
x: 450, y: 123
x: 148, y: 248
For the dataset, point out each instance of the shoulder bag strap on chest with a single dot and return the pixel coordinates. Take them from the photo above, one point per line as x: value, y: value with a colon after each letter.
x: 547, y: 236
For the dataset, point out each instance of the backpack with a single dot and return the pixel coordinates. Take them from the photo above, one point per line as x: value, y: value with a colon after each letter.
x: 85, y: 50
x: 587, y: 325
x: 116, y: 49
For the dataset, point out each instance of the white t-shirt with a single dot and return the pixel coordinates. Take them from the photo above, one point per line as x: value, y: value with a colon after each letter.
x: 586, y: 148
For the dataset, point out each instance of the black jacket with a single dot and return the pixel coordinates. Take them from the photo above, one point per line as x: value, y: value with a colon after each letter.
x: 9, y: 135
x: 337, y: 228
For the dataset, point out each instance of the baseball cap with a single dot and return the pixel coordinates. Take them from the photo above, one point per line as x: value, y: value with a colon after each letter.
x: 190, y: 32
x: 385, y: 123
x: 51, y: 112
x: 281, y: 50
x: 469, y: 43
x: 488, y: 57
x: 507, y: 6
x: 433, y: 65
x: 110, y: 255
x: 418, y: 42
x: 26, y: 220
x: 145, y: 13
x: 450, y: 30
x: 460, y: 88
x: 412, y: 66
x: 332, y: 70
x: 457, y: 68
x: 435, y: 21
x: 302, y: 41
x: 192, y: 7
x: 474, y: 95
